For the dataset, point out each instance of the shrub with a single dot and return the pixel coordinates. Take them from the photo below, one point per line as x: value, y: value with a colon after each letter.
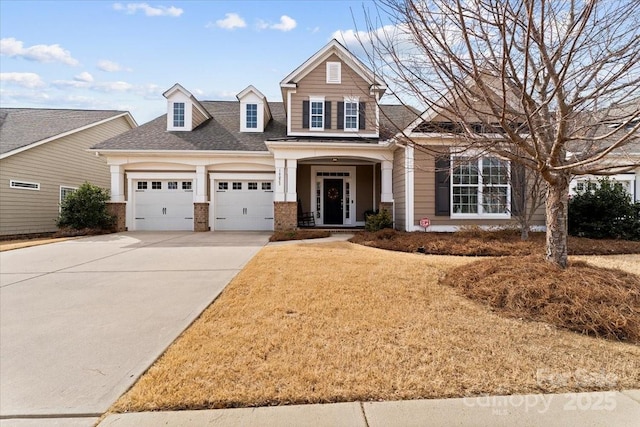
x: 604, y: 211
x: 86, y: 208
x: 378, y: 221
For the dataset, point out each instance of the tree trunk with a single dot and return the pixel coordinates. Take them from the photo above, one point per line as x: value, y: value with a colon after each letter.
x: 556, y: 218
x: 524, y: 232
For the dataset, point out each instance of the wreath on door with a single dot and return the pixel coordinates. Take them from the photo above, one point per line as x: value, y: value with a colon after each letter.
x: 333, y: 193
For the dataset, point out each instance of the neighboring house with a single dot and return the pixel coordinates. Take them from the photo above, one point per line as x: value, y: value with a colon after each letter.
x: 329, y: 148
x: 44, y: 156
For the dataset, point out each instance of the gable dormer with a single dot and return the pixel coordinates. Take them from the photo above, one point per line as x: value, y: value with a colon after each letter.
x: 332, y: 94
x: 184, y: 112
x: 254, y: 110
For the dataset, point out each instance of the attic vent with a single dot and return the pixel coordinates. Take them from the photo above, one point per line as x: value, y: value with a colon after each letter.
x: 24, y: 185
x: 334, y: 72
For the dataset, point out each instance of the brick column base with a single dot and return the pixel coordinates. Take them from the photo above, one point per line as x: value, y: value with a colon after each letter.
x: 201, y: 217
x: 285, y: 216
x: 119, y: 211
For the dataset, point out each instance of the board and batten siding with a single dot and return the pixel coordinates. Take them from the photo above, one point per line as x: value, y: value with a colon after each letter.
x: 62, y: 162
x: 399, y: 188
x: 425, y: 195
x: 315, y: 84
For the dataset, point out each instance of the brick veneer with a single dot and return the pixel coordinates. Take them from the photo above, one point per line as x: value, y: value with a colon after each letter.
x: 201, y: 217
x: 285, y: 216
x: 119, y: 210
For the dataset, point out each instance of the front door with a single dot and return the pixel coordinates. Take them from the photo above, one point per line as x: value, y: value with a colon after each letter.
x: 333, y: 201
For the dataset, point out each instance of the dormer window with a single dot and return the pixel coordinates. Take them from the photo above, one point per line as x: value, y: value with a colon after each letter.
x: 252, y: 116
x: 178, y: 114
x: 334, y: 72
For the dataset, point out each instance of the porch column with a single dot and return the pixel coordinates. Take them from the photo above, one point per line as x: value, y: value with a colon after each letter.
x: 201, y: 184
x: 292, y: 191
x: 117, y: 183
x: 280, y: 176
x: 387, y: 181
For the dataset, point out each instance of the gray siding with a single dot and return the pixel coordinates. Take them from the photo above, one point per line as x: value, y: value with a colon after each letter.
x: 399, y: 187
x: 62, y: 162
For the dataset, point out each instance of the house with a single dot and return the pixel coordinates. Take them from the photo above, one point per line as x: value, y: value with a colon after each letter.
x: 44, y: 156
x: 329, y: 148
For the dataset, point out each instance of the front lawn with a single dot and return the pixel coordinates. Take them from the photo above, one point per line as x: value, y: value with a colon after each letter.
x: 333, y: 322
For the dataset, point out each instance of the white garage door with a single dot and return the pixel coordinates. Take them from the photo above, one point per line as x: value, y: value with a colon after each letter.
x: 243, y: 205
x: 163, y: 205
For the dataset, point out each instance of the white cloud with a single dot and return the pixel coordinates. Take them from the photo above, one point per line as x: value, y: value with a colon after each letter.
x: 110, y: 66
x: 28, y: 80
x: 230, y: 22
x: 104, y: 87
x: 84, y: 77
x: 40, y: 52
x: 286, y: 24
x: 132, y: 8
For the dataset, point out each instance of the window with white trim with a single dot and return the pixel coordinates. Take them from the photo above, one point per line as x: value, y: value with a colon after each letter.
x: 172, y: 185
x: 64, y: 193
x: 223, y: 186
x: 236, y: 186
x: 334, y: 72
x: 178, y: 114
x: 480, y: 187
x: 252, y: 116
x: 252, y: 186
x: 350, y: 115
x: 266, y: 186
x: 24, y: 185
x: 316, y: 111
x: 142, y: 185
x: 156, y: 185
x: 186, y: 185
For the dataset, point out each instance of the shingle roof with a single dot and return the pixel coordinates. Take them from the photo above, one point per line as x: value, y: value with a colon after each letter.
x: 222, y: 132
x: 20, y: 127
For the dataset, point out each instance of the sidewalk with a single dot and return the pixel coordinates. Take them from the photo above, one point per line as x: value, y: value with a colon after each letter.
x: 611, y: 409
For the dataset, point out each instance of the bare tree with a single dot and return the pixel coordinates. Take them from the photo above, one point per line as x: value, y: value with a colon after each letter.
x: 552, y: 85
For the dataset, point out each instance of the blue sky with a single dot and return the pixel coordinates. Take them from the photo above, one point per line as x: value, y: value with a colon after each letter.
x: 123, y: 55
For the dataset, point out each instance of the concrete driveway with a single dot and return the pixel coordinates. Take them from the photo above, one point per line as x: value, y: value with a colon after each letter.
x: 81, y: 320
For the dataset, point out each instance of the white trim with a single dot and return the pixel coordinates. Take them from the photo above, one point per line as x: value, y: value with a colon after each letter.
x: 126, y: 115
x: 352, y: 192
x: 623, y: 177
x: 454, y: 228
x: 345, y: 135
x: 32, y: 186
x: 316, y: 99
x: 337, y: 78
x: 409, y: 186
x: 351, y: 100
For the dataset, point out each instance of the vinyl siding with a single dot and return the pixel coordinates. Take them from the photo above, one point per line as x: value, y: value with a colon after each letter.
x: 364, y: 191
x: 63, y: 162
x: 424, y: 196
x: 197, y: 117
x: 399, y: 187
x: 314, y: 84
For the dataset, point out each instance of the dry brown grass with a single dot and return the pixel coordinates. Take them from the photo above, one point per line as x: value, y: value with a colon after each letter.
x: 335, y: 322
x: 584, y: 298
x: 476, y: 242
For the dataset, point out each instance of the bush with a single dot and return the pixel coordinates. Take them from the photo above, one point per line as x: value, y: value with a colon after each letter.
x: 378, y: 221
x: 604, y: 211
x: 86, y: 208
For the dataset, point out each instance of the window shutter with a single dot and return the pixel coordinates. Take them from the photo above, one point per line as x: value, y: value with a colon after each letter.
x: 362, y: 116
x: 327, y: 114
x: 518, y: 189
x: 443, y: 202
x: 305, y: 114
x: 340, y: 115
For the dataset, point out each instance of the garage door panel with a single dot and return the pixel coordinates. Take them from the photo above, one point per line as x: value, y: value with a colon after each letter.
x: 243, y: 209
x: 163, y: 208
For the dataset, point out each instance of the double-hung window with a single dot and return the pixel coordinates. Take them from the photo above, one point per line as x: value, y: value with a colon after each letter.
x: 317, y: 114
x: 252, y: 116
x: 351, y: 115
x: 178, y: 114
x: 480, y: 187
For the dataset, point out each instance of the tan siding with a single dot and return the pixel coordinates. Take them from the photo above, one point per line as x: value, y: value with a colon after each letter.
x: 364, y: 193
x: 61, y: 162
x: 303, y: 181
x: 399, y: 187
x: 424, y: 196
x: 314, y: 84
x: 196, y: 117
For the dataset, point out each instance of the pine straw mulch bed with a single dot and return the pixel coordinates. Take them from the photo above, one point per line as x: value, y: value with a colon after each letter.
x: 335, y: 322
x: 301, y: 234
x: 584, y: 298
x: 487, y: 243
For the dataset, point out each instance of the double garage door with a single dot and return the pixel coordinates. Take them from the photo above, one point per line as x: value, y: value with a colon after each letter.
x: 237, y: 205
x: 243, y: 205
